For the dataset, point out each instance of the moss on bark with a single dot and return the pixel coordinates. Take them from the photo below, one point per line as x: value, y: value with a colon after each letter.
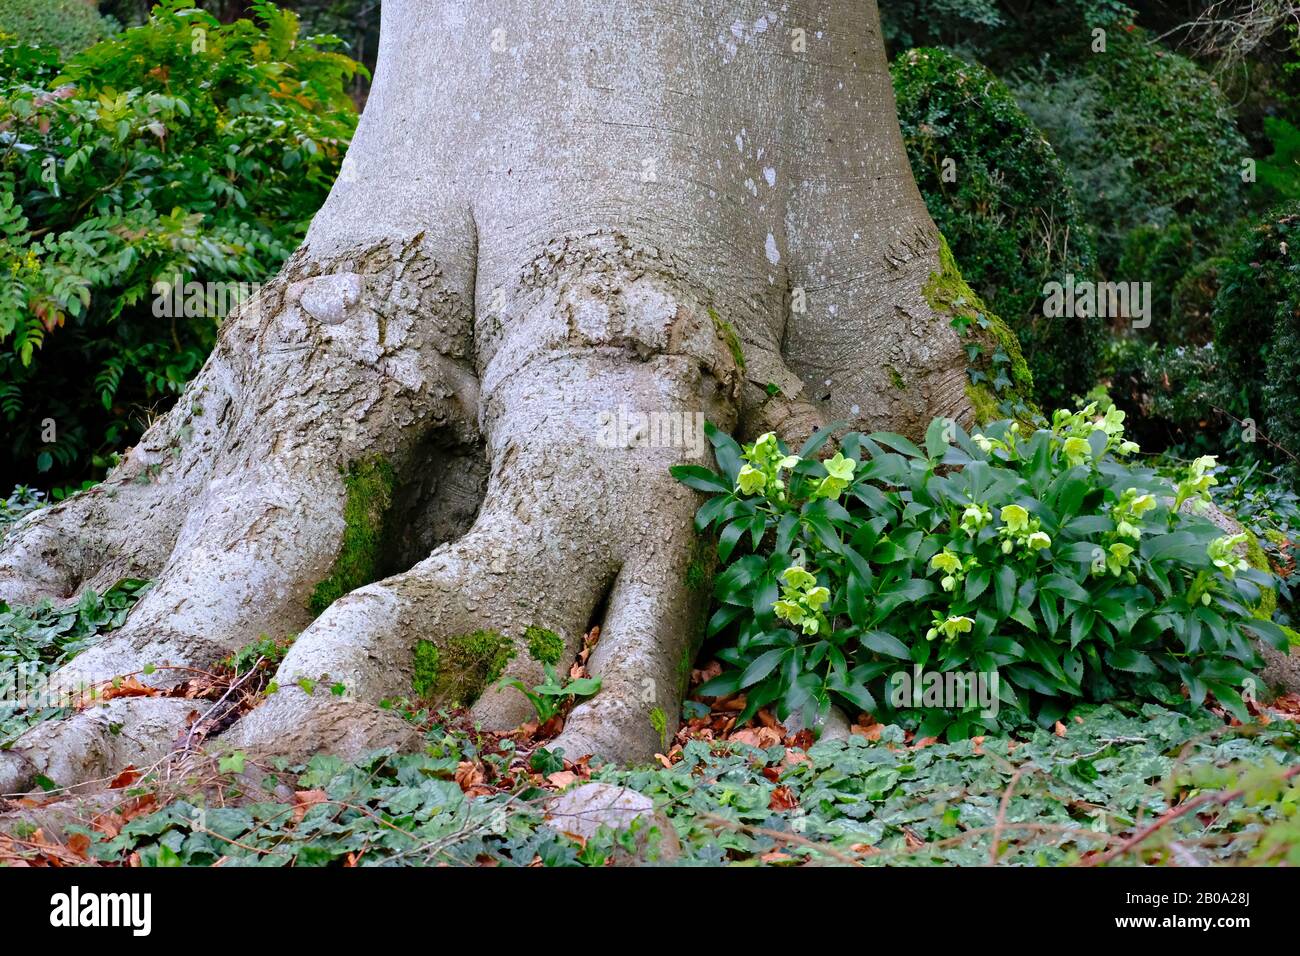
x: 455, y: 674
x: 949, y: 294
x: 369, y: 489
x: 730, y: 337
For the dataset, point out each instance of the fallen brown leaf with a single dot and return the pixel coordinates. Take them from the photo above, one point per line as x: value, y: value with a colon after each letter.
x: 128, y: 687
x: 783, y: 798
x: 124, y: 779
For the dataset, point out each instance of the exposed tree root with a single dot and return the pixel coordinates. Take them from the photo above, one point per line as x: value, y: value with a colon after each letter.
x: 96, y: 743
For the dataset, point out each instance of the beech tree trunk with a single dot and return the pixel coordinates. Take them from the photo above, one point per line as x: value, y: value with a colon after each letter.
x: 551, y: 211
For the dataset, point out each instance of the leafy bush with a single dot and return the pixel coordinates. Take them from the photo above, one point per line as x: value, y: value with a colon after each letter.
x: 1010, y: 215
x: 1147, y: 136
x: 183, y: 148
x: 1170, y: 394
x: 22, y: 502
x: 67, y: 25
x: 993, y: 31
x: 1257, y: 331
x: 1036, y: 555
x: 1280, y: 172
x: 1160, y: 255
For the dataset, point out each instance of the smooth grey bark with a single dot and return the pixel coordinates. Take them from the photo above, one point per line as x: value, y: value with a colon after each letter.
x: 549, y: 211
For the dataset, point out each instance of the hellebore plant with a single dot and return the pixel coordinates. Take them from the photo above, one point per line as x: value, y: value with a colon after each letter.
x: 1035, y: 552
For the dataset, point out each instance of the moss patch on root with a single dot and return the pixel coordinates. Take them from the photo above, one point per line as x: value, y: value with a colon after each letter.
x: 1258, y: 560
x: 701, y: 565
x: 729, y: 337
x: 544, y: 645
x: 456, y: 673
x: 949, y: 294
x: 369, y: 488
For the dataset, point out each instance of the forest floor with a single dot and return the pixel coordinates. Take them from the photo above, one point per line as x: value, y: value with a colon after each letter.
x: 1123, y: 783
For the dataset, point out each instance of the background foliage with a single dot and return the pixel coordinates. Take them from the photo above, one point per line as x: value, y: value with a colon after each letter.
x: 183, y: 148
x: 997, y: 190
x: 69, y: 25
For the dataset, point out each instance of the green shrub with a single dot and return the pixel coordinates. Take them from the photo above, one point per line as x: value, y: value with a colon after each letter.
x: 1038, y: 556
x: 183, y: 148
x: 1010, y: 215
x: 68, y: 25
x: 22, y: 502
x: 1279, y: 173
x: 1257, y: 330
x: 1148, y: 138
x: 1160, y: 255
x: 993, y: 31
x: 1170, y: 394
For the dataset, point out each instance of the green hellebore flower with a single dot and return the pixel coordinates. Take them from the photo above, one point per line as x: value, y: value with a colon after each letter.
x: 1142, y: 504
x: 945, y: 560
x: 1015, y: 518
x: 974, y: 518
x: 798, y: 578
x: 1077, y: 450
x: 956, y: 625
x: 789, y: 611
x: 1118, y: 556
x: 1038, y: 541
x: 1112, y: 423
x: 1121, y: 551
x: 764, y: 446
x: 840, y: 467
x: 751, y: 480
x: 1222, y: 552
x: 816, y: 597
x: 829, y: 487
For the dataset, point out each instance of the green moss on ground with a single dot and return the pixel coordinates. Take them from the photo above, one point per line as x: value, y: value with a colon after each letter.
x: 369, y: 488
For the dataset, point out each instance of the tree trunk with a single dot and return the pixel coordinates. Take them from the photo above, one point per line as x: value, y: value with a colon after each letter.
x: 552, y: 215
